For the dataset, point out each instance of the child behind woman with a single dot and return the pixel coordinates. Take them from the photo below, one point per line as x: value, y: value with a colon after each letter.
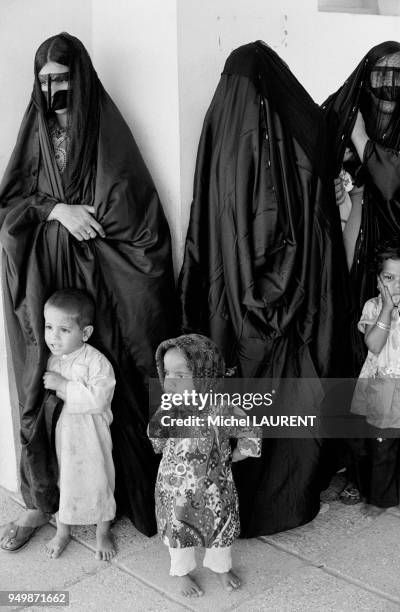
x: 377, y: 394
x: 84, y: 379
x: 196, y: 499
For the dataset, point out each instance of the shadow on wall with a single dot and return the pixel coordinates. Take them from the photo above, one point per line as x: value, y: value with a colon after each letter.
x: 371, y: 7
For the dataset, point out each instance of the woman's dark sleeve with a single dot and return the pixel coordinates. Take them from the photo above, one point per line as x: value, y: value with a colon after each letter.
x: 383, y: 166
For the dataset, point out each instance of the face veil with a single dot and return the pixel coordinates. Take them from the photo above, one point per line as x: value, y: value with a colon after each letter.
x: 82, y: 99
x: 380, y: 101
x: 55, y: 100
x: 372, y: 88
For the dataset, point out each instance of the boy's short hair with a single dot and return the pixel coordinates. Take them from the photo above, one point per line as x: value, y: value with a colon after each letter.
x: 76, y: 303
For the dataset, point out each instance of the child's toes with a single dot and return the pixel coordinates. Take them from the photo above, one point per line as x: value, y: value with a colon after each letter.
x: 193, y: 592
x: 189, y: 586
x: 56, y: 545
x: 229, y: 581
x: 197, y: 592
x: 234, y: 580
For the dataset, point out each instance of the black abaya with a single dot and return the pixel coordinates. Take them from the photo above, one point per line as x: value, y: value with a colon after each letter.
x: 380, y: 167
x: 264, y: 269
x: 128, y: 273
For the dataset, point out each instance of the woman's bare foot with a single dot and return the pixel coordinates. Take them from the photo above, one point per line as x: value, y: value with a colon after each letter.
x: 229, y: 581
x: 16, y: 534
x: 33, y: 518
x: 105, y: 549
x: 188, y: 586
x: 371, y: 511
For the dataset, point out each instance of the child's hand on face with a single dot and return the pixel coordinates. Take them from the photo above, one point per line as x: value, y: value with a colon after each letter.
x: 55, y: 382
x: 237, y: 455
x: 387, y: 300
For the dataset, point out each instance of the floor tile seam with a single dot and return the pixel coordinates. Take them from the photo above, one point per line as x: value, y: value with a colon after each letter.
x: 107, y: 565
x: 126, y: 570
x: 92, y: 548
x: 362, y: 585
x: 119, y: 564
x: 66, y: 586
x: 13, y: 495
x: 332, y: 571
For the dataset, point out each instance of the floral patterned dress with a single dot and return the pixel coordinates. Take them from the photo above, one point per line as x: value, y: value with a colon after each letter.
x: 196, y: 498
x: 377, y: 393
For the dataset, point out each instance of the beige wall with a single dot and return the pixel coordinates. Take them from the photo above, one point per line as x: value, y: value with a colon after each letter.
x: 135, y: 55
x: 23, y: 26
x: 321, y: 49
x: 160, y: 60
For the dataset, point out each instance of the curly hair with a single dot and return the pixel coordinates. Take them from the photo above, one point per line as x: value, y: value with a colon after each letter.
x: 389, y: 249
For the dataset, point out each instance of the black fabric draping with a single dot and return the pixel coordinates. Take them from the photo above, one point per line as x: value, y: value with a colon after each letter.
x: 129, y: 274
x: 372, y: 88
x: 264, y: 270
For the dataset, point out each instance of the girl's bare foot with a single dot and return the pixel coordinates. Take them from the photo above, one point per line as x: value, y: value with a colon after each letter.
x: 229, y: 581
x: 188, y: 586
x: 105, y: 549
x: 371, y: 511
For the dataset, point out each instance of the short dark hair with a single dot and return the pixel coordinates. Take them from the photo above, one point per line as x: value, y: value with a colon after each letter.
x: 75, y: 302
x: 389, y: 249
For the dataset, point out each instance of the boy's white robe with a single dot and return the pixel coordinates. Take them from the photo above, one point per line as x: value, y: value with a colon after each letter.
x: 83, y: 439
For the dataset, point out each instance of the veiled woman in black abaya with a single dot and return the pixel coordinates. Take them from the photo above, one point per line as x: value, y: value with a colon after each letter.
x: 264, y: 267
x: 78, y: 208
x: 363, y: 117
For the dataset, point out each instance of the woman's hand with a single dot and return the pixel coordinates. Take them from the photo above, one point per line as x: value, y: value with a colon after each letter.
x: 78, y: 220
x: 359, y: 135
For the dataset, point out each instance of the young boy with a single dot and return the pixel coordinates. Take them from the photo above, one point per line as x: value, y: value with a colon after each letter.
x: 84, y: 379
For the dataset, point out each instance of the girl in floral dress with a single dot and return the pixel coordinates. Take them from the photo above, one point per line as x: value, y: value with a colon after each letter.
x: 377, y: 394
x: 196, y: 499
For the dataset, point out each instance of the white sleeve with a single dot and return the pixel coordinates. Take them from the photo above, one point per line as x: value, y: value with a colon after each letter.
x: 369, y: 315
x: 94, y: 394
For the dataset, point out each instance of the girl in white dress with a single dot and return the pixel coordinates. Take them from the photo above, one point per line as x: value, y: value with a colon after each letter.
x: 84, y: 379
x: 377, y: 394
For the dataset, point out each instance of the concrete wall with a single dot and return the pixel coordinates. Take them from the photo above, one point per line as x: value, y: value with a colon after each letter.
x: 135, y: 55
x: 23, y: 26
x: 321, y: 49
x: 160, y: 60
